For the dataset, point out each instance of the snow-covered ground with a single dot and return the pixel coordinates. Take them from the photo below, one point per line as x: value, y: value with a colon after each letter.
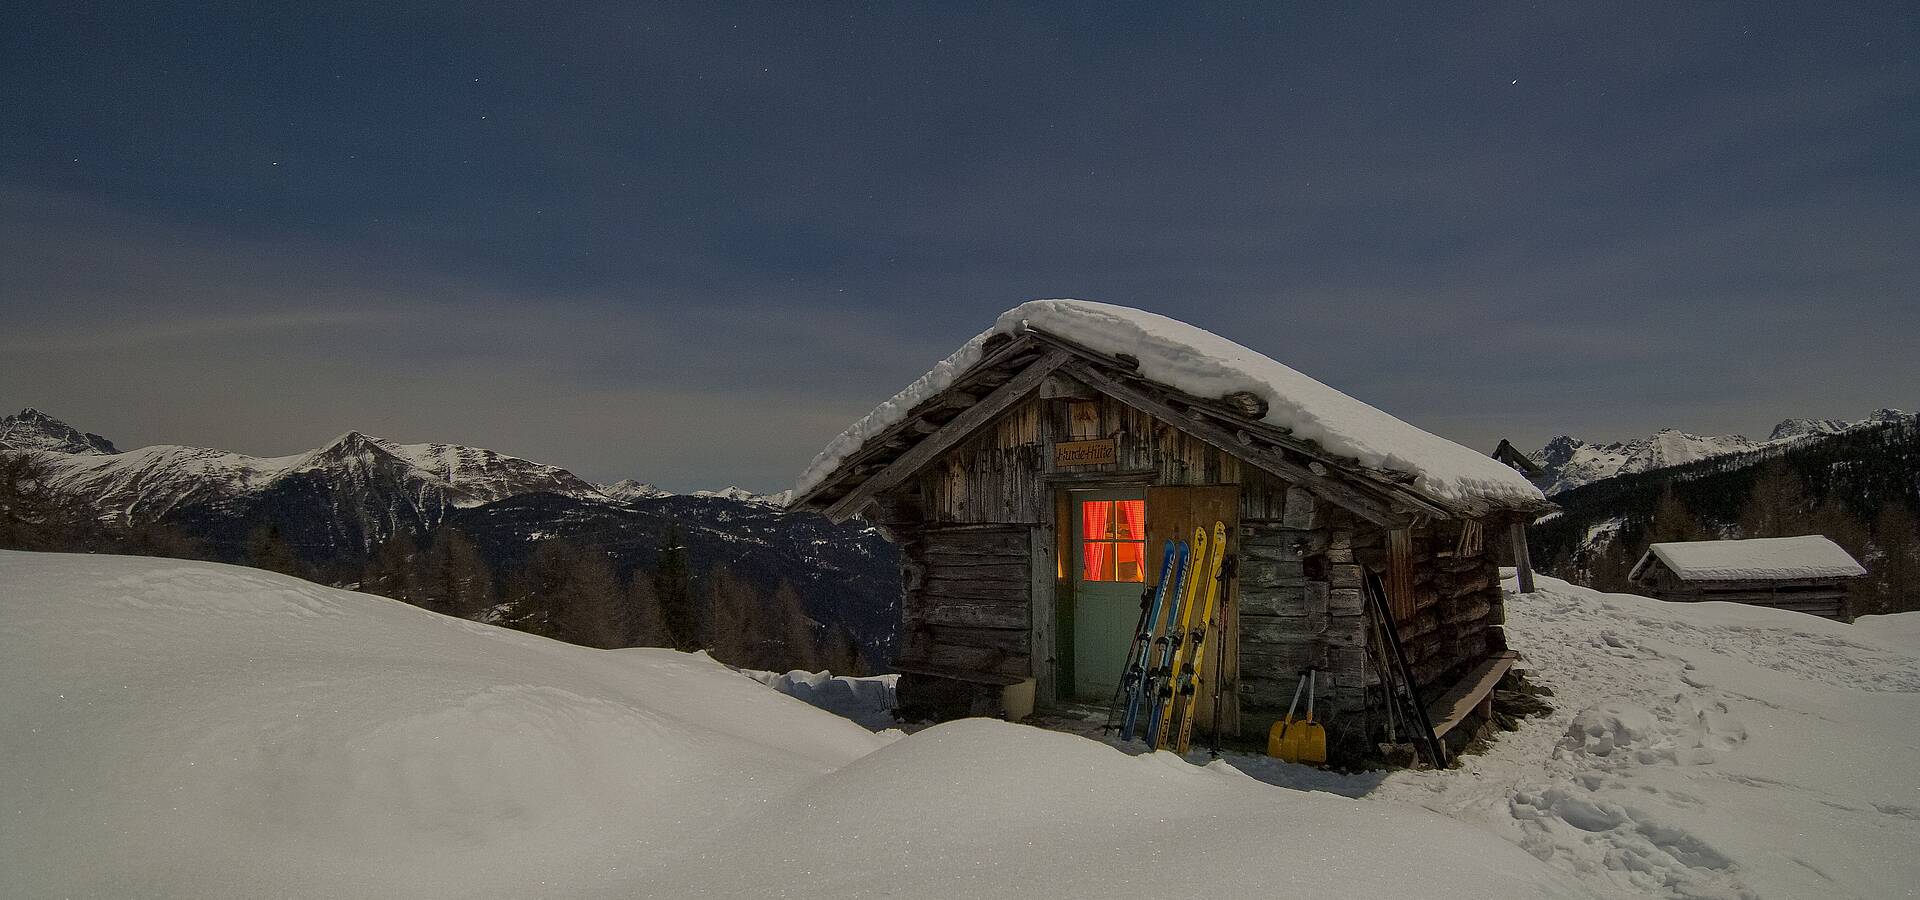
x: 196, y: 730
x: 1696, y: 750
x: 184, y: 729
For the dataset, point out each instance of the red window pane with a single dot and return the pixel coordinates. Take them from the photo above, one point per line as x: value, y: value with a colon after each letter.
x: 1095, y: 517
x: 1130, y: 562
x: 1096, y: 561
x: 1130, y: 520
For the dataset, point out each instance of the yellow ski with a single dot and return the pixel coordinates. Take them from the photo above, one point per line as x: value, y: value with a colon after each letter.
x: 1199, y: 640
x: 1170, y: 691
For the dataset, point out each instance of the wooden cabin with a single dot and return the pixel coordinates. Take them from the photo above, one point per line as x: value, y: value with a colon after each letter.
x: 1806, y: 574
x: 1032, y: 479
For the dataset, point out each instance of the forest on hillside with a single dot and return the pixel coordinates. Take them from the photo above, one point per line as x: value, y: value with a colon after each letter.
x: 1860, y: 488
x: 569, y: 590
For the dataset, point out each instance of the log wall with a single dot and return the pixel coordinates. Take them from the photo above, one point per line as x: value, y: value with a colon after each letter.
x: 1300, y: 606
x: 1825, y: 597
x: 967, y: 606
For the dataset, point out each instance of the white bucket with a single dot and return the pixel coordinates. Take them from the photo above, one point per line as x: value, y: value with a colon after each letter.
x: 1017, y: 700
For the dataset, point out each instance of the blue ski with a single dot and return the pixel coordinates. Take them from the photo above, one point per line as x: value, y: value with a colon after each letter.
x: 1158, y: 676
x: 1134, y: 679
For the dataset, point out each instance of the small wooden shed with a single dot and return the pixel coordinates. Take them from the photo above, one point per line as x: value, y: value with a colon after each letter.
x: 1032, y: 478
x: 1806, y: 574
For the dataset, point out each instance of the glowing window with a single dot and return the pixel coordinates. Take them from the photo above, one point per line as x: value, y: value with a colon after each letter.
x: 1113, y: 540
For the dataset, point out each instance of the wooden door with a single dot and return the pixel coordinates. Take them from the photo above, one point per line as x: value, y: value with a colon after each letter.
x: 1172, y: 514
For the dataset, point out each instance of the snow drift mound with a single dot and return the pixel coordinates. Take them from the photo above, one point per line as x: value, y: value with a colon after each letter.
x: 981, y: 808
x: 198, y: 730
x: 179, y: 729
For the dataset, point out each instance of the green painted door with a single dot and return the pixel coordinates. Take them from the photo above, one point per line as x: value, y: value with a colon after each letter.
x: 1109, y: 572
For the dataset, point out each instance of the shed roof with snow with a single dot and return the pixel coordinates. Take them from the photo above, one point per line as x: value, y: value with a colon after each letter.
x: 1254, y: 402
x: 1809, y: 556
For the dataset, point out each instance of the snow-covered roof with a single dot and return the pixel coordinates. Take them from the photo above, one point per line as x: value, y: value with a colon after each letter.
x: 1204, y: 364
x: 1807, y: 556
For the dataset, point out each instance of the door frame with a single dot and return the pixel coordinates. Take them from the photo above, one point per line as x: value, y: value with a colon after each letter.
x: 1067, y: 579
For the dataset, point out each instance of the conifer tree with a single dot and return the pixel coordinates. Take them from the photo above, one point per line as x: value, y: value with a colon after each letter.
x: 1672, y: 521
x: 587, y: 601
x: 1896, y: 563
x: 646, y: 622
x: 800, y: 646
x: 391, y: 571
x: 733, y: 627
x: 673, y: 589
x: 1777, y: 506
x: 268, y: 549
x: 454, y: 578
x: 35, y: 516
x: 842, y: 653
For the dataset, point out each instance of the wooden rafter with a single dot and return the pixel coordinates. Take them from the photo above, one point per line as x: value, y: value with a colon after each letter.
x: 1337, y: 492
x: 950, y: 434
x: 1233, y: 412
x: 1002, y: 355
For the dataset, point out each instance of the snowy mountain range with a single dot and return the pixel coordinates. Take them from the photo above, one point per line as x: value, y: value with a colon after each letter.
x: 337, y: 504
x: 1570, y: 463
x: 422, y: 480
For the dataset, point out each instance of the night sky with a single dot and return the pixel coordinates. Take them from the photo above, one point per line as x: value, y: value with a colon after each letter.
x: 688, y: 244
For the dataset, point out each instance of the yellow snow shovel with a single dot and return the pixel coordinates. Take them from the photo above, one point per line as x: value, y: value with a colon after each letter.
x: 1299, y: 742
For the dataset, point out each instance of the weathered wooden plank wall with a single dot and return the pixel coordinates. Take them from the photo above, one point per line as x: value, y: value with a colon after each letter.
x: 1298, y: 608
x: 968, y: 601
x: 1006, y: 474
x: 1826, y: 597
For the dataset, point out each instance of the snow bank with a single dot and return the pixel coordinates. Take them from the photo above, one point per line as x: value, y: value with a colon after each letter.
x: 867, y: 700
x: 980, y: 808
x: 1807, y: 556
x: 1902, y: 629
x: 1207, y: 365
x: 184, y: 729
x: 188, y: 729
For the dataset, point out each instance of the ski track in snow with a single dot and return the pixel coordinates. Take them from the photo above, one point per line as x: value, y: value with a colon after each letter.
x: 1682, y: 758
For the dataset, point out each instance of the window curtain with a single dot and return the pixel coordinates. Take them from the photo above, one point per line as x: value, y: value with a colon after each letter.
x: 1094, y: 522
x: 1130, y: 531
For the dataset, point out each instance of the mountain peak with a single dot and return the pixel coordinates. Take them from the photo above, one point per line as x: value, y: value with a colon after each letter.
x: 355, y: 442
x: 1789, y: 429
x: 32, y: 429
x: 740, y: 494
x: 629, y: 489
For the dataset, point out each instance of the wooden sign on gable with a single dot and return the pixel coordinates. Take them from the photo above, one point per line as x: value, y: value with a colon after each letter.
x: 1086, y: 453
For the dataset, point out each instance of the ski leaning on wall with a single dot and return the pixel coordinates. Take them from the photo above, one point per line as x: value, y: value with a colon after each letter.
x: 1186, y: 684
x: 1133, y: 682
x: 1172, y: 640
x: 1135, y: 670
